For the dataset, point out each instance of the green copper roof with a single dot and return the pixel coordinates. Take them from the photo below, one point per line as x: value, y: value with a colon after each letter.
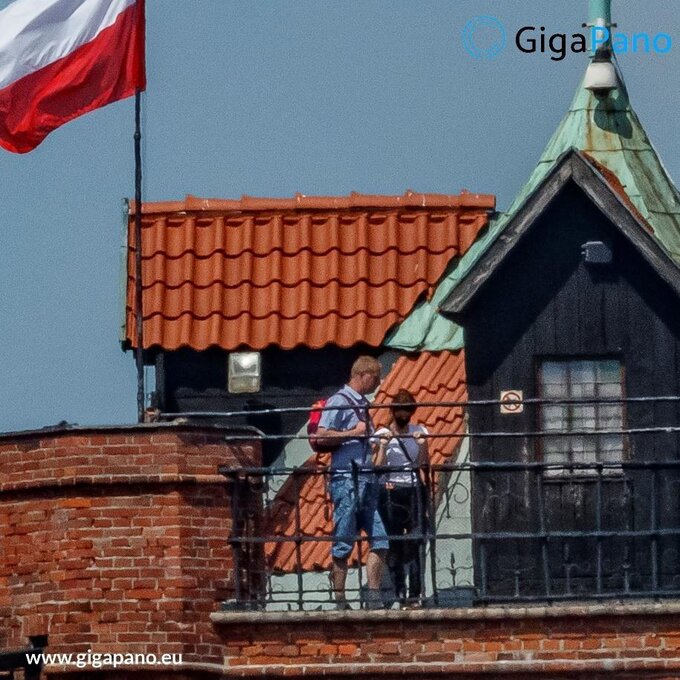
x: 609, y: 131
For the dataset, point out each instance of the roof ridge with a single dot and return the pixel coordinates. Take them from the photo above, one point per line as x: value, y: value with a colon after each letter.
x: 409, y: 199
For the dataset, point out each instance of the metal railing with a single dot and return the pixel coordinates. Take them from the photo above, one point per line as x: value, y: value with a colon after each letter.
x: 484, y: 532
x: 518, y: 510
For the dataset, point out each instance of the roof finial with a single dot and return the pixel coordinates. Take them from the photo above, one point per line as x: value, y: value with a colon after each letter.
x: 600, y: 9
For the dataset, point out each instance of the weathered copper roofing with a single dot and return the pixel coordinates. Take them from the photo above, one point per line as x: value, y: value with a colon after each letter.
x: 605, y: 192
x: 618, y: 189
x: 431, y: 377
x: 610, y: 133
x: 306, y: 270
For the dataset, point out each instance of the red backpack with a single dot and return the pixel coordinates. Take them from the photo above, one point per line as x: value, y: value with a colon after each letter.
x: 315, y: 417
x: 313, y: 425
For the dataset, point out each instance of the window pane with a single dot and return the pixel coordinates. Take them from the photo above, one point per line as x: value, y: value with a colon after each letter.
x: 590, y: 449
x: 582, y: 372
x: 587, y: 380
x: 554, y: 450
x: 611, y: 448
x: 610, y: 390
x: 583, y: 417
x: 609, y: 372
x: 554, y: 417
x: 582, y: 390
x: 579, y: 449
x: 610, y: 417
x: 554, y: 379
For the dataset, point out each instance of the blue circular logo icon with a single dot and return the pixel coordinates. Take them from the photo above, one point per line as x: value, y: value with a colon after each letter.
x: 484, y: 37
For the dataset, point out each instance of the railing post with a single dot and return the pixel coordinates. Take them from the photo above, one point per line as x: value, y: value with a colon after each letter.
x: 598, y: 529
x: 567, y: 568
x: 431, y: 532
x: 482, y: 568
x: 356, y: 539
x: 654, y: 526
x: 298, y: 539
x: 543, y: 530
x: 235, y: 542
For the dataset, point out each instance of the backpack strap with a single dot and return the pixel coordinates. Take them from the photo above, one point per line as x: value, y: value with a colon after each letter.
x: 361, y: 412
x: 406, y: 453
x: 405, y: 450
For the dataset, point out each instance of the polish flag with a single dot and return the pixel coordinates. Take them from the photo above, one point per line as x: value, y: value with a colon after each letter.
x: 60, y: 59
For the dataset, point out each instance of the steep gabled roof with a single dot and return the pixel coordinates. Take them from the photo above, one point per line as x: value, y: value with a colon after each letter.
x: 610, y: 133
x: 603, y: 192
x: 303, y: 271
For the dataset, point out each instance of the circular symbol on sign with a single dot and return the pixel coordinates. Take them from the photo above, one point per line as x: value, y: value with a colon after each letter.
x: 511, y: 402
x: 484, y: 37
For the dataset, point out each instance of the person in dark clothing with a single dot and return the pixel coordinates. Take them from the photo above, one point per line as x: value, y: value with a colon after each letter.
x: 402, y: 500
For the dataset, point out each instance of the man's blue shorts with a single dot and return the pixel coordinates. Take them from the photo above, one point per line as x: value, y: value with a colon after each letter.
x: 354, y: 510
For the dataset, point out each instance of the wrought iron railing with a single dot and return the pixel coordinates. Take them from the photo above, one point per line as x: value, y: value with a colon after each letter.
x: 556, y: 505
x: 484, y: 532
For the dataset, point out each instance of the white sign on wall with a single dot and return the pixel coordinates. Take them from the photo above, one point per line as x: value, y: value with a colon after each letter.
x: 511, y: 402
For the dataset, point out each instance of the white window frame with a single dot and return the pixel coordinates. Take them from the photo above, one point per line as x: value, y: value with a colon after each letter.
x: 588, y: 378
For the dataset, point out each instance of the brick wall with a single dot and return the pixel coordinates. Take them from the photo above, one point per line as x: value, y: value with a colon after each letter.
x: 116, y: 540
x: 631, y: 641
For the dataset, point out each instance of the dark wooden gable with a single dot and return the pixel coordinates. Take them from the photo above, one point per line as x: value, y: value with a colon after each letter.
x: 533, y: 297
x: 576, y: 168
x: 545, y: 301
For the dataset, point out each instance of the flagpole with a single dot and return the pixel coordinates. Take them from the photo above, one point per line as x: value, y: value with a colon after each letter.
x: 139, y: 318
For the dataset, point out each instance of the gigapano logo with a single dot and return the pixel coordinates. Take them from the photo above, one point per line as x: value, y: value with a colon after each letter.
x: 484, y: 37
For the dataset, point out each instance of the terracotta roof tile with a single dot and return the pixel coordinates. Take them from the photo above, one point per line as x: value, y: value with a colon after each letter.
x: 429, y: 377
x: 307, y: 270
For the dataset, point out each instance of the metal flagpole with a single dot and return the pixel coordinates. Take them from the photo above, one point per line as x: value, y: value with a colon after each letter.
x: 139, y: 353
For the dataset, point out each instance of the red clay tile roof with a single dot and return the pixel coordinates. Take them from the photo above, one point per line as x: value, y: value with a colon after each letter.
x: 430, y: 377
x: 303, y: 271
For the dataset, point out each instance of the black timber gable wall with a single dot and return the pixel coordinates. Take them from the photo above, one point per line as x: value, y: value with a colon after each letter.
x: 543, y: 301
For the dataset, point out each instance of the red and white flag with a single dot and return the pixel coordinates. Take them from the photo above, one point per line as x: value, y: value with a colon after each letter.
x: 60, y: 59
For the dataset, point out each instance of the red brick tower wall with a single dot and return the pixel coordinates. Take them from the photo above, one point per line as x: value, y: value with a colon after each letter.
x: 116, y: 539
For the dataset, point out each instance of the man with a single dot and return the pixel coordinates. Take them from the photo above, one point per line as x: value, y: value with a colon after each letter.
x: 346, y: 431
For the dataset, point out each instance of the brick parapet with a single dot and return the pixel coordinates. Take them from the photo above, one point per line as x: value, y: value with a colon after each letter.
x: 637, y: 639
x: 116, y: 540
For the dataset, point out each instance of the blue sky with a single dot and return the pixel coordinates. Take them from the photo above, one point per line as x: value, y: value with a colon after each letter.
x: 267, y: 98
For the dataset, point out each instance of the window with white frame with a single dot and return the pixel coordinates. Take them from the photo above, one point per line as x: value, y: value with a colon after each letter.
x: 588, y: 380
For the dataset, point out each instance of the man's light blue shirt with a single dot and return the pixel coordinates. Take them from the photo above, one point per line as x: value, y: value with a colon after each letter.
x: 342, y: 419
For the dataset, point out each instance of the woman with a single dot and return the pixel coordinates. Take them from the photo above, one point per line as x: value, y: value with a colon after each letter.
x: 403, y: 501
